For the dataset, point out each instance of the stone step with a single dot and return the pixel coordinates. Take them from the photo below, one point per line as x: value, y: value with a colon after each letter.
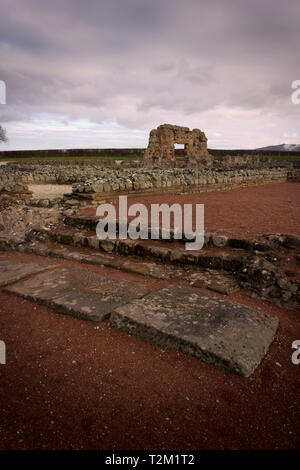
x: 151, y: 249
x: 90, y: 223
x: 86, y: 256
x: 82, y: 221
x: 194, y: 276
x: 211, y: 239
x: 255, y: 274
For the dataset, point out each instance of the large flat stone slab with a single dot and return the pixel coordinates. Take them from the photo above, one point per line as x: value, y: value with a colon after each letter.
x: 215, y: 330
x: 11, y: 271
x: 78, y: 292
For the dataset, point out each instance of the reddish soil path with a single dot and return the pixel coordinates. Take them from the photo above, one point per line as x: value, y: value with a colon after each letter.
x: 71, y: 384
x: 270, y: 208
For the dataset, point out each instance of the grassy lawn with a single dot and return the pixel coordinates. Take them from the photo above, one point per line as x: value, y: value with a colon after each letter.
x: 273, y: 157
x: 289, y: 157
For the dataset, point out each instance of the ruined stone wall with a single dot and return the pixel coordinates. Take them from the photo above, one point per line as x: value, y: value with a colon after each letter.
x: 96, y: 180
x: 242, y: 161
x: 125, y: 178
x: 48, y: 174
x: 161, y: 150
x: 177, y: 179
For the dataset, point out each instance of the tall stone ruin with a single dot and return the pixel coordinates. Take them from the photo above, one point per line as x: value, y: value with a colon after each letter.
x: 161, y: 151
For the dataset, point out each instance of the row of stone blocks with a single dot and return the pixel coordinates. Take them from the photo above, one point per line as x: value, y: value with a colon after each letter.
x: 165, y: 181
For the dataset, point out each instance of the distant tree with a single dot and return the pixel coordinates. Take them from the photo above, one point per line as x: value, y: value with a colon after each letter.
x: 3, y: 137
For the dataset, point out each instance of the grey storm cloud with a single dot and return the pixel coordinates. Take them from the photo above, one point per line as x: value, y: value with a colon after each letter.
x: 136, y: 62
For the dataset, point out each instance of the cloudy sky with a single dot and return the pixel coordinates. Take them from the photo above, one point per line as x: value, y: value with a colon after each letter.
x: 102, y: 73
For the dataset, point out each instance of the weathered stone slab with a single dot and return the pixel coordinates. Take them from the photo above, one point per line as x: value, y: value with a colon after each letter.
x: 78, y: 292
x: 11, y: 271
x: 223, y: 333
x: 158, y: 271
x: 213, y: 280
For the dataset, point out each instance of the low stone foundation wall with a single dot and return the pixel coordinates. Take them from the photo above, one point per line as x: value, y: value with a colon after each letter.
x: 90, y: 177
x: 184, y: 180
x: 92, y: 182
x: 294, y: 175
x: 229, y: 162
x: 48, y: 174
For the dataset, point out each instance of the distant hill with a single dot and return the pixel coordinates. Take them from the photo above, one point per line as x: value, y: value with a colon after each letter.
x: 282, y: 147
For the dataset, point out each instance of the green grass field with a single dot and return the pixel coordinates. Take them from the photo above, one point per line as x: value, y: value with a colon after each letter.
x: 289, y: 157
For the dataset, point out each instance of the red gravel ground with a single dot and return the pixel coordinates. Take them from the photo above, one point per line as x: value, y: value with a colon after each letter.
x: 71, y: 384
x: 271, y: 208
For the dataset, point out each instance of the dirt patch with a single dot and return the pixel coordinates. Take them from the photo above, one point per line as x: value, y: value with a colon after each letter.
x: 49, y: 191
